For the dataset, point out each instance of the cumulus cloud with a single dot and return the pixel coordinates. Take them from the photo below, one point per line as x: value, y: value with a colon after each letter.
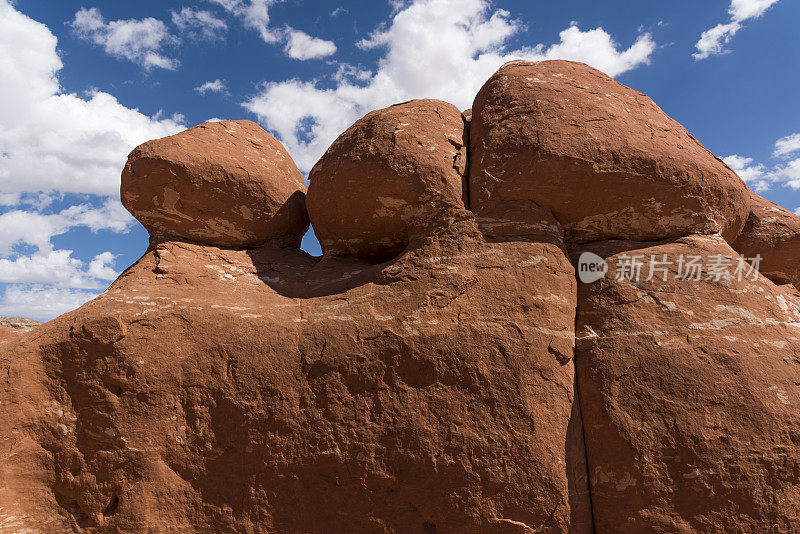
x: 51, y: 140
x: 787, y: 145
x: 761, y: 177
x: 199, y: 24
x: 714, y: 40
x: 139, y: 41
x: 300, y: 45
x: 41, y: 302
x: 755, y: 174
x: 254, y: 15
x: 308, y: 116
x: 216, y: 86
x: 54, y: 143
x: 297, y: 44
x: 102, y: 267
x: 34, y: 228
x: 59, y: 268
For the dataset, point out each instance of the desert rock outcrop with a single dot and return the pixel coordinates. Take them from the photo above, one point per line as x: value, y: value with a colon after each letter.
x: 225, y: 183
x: 602, y: 157
x: 439, y: 368
x: 387, y: 178
x: 689, y: 390
x: 773, y: 233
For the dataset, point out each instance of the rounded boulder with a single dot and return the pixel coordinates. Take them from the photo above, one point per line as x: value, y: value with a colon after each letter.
x: 227, y: 184
x: 392, y: 174
x: 605, y: 159
x: 772, y: 234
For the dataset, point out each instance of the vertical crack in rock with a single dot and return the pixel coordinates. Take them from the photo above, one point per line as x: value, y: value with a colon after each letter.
x: 580, y: 411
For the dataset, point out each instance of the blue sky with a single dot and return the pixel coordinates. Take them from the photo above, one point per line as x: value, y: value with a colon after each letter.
x: 83, y: 82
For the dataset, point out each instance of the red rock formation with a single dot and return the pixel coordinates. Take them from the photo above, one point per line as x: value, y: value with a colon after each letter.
x: 387, y: 177
x: 773, y: 233
x: 220, y: 183
x: 604, y: 158
x: 689, y: 392
x: 420, y: 376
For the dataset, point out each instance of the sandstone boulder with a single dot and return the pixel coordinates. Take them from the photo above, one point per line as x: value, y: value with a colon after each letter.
x: 226, y: 183
x: 773, y: 233
x: 387, y: 178
x: 604, y: 158
x: 689, y: 392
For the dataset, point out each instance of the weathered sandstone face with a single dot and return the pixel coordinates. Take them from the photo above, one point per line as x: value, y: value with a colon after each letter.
x: 773, y: 233
x: 390, y: 177
x: 422, y: 375
x: 228, y: 184
x: 689, y: 393
x: 602, y: 157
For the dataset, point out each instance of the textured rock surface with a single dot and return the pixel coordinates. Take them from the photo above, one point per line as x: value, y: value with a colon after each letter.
x: 226, y: 183
x: 690, y: 392
x: 422, y: 375
x: 232, y: 391
x: 387, y: 178
x: 604, y: 158
x: 773, y: 233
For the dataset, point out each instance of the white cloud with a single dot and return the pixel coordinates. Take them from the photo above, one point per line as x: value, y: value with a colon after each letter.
x: 713, y: 41
x: 597, y: 48
x: 58, y: 268
x: 748, y: 9
x: 140, y: 41
x: 9, y: 199
x: 300, y: 45
x: 50, y: 140
x: 217, y: 86
x: 755, y: 175
x: 297, y: 44
x: 787, y: 145
x: 254, y: 14
x: 41, y: 302
x: 415, y: 64
x: 199, y: 24
x: 789, y: 173
x: 761, y: 177
x: 19, y: 227
x: 102, y: 266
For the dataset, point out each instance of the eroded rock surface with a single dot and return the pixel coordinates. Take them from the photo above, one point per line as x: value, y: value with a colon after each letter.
x: 605, y: 159
x: 773, y: 233
x: 225, y: 183
x: 689, y: 390
x: 421, y: 375
x: 203, y: 391
x: 388, y: 178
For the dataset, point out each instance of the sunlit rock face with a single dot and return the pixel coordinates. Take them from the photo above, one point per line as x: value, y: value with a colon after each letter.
x: 228, y: 183
x: 441, y: 367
